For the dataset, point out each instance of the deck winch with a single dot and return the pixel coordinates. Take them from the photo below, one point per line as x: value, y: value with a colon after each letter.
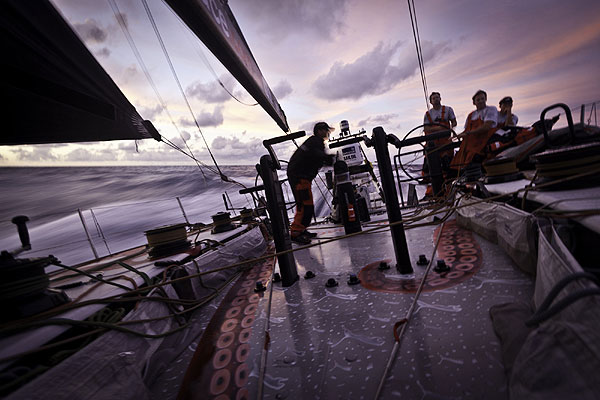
x: 222, y: 222
x: 580, y: 154
x: 556, y: 164
x: 167, y: 240
x: 24, y: 287
x: 501, y: 169
x: 247, y: 215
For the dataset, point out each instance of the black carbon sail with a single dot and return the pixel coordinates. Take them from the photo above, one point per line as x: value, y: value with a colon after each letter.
x: 54, y: 89
x: 213, y: 22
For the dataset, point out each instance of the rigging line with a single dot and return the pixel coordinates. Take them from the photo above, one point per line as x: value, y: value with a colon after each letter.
x: 420, y: 48
x: 267, y: 339
x: 408, y: 317
x: 592, y: 111
x: 119, y: 17
x: 211, y: 169
x: 99, y: 230
x: 166, y: 53
x: 173, y: 70
x: 419, y: 56
x: 206, y: 62
x: 416, y: 46
x: 174, y: 146
x: 321, y: 191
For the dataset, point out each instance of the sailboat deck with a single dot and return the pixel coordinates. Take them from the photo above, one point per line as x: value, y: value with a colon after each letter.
x: 335, y: 342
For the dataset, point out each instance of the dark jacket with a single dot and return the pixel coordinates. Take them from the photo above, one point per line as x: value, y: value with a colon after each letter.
x: 308, y: 159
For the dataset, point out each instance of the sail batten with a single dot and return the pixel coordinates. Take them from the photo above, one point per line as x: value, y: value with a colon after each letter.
x: 213, y: 22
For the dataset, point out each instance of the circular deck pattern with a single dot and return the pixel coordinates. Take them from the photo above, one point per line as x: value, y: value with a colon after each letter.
x: 458, y: 248
x: 219, y: 366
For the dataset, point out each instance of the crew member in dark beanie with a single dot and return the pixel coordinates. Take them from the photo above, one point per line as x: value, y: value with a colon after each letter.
x: 302, y: 169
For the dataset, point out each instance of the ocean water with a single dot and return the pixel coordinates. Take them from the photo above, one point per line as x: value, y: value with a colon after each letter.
x: 118, y: 204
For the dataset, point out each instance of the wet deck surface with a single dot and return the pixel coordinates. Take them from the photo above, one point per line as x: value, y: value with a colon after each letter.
x: 332, y: 343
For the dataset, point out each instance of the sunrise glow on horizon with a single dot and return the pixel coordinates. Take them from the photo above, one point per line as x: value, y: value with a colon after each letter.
x: 331, y: 60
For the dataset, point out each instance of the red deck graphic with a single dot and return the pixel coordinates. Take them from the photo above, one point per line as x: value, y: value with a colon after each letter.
x: 457, y: 247
x: 218, y: 369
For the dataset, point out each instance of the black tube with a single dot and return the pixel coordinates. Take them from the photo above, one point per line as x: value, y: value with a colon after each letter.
x: 284, y: 138
x: 252, y: 189
x: 346, y: 142
x: 21, y: 222
x: 279, y: 220
x: 380, y: 142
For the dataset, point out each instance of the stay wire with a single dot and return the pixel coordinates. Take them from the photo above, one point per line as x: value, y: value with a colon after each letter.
x: 168, y: 58
x: 174, y: 146
x: 418, y: 49
x: 119, y: 17
x: 207, y: 63
x: 406, y: 320
x: 99, y: 230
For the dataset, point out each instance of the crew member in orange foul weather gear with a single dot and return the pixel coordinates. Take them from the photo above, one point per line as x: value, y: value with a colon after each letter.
x: 303, y: 167
x: 479, y: 128
x: 442, y: 115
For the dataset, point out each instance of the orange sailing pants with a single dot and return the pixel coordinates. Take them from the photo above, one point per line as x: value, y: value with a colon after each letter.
x: 305, y: 207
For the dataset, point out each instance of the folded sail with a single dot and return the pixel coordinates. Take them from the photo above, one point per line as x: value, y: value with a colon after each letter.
x: 54, y: 90
x: 213, y: 22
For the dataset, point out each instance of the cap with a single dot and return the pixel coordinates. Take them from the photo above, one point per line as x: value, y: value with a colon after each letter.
x: 322, y: 125
x: 506, y: 99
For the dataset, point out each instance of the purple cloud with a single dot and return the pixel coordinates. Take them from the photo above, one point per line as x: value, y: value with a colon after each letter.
x: 282, y: 90
x: 90, y: 31
x: 212, y: 92
x: 373, y: 73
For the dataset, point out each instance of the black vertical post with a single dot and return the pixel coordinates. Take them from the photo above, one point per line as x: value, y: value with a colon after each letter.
x: 380, y: 142
x: 279, y: 220
x: 21, y: 222
x: 347, y: 203
x: 435, y: 168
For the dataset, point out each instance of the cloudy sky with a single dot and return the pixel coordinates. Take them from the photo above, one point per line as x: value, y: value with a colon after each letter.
x: 331, y: 60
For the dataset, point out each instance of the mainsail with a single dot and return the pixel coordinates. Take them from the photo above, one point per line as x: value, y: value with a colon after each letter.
x: 213, y: 22
x: 53, y: 88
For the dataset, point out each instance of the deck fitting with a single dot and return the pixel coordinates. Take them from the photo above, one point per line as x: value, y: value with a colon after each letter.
x: 353, y: 280
x: 309, y: 275
x: 331, y: 282
x: 383, y: 266
x: 422, y: 260
x: 441, y: 267
x: 260, y: 287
